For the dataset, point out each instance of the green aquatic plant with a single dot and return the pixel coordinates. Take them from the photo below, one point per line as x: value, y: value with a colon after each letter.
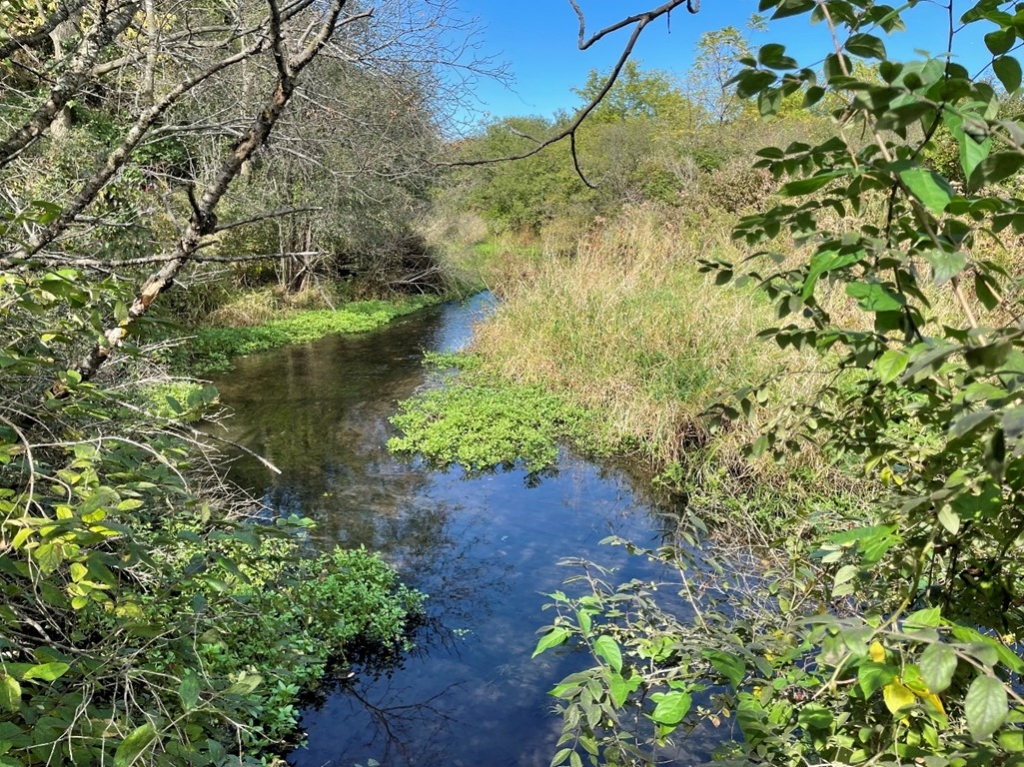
x: 212, y: 349
x: 481, y: 423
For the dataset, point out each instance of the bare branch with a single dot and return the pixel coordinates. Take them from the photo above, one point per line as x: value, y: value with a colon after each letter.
x: 204, y: 220
x: 265, y: 216
x: 96, y: 38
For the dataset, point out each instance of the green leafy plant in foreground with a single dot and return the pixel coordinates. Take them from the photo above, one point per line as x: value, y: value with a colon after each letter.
x: 896, y: 640
x: 145, y: 618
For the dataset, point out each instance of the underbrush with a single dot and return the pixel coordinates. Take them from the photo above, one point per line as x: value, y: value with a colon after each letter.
x: 148, y: 620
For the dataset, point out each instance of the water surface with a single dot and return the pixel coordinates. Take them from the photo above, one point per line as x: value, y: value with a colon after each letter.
x: 486, y: 549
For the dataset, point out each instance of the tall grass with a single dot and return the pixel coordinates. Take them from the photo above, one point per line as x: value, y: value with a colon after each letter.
x: 628, y: 326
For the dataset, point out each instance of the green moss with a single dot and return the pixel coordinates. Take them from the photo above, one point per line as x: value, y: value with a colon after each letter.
x: 213, y: 348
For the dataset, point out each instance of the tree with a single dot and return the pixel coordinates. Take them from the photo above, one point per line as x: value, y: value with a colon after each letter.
x: 638, y: 94
x: 520, y: 196
x: 716, y: 64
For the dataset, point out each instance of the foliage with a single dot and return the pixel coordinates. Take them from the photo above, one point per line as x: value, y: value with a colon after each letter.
x: 651, y: 139
x: 638, y: 94
x: 519, y: 195
x: 715, y: 64
x: 896, y: 639
x: 186, y: 401
x: 213, y: 348
x: 146, y: 616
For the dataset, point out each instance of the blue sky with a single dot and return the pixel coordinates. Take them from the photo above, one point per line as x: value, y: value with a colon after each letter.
x: 537, y: 38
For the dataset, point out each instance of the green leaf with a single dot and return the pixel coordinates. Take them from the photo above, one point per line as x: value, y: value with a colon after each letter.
x: 990, y: 356
x: 844, y: 575
x: 808, y: 185
x: 188, y: 690
x: 607, y: 648
x: 945, y: 265
x: 1007, y: 69
x: 1013, y: 420
x: 972, y: 153
x: 619, y: 689
x: 929, y: 617
x: 751, y: 82
x: 553, y: 638
x: 929, y: 187
x: 672, y: 707
x: 49, y: 557
x: 560, y: 757
x: 891, y: 365
x: 995, y: 168
x: 787, y: 7
x: 10, y: 693
x: 245, y: 685
x: 872, y: 676
x: 824, y: 262
x: 873, y: 297
x: 983, y: 288
x: 769, y: 102
x: 46, y: 212
x: 986, y: 706
x: 1000, y: 41
x: 48, y: 672
x: 866, y: 46
x: 132, y: 747
x: 1012, y: 740
x: 949, y: 520
x: 732, y: 667
x: 937, y: 665
x: 815, y: 716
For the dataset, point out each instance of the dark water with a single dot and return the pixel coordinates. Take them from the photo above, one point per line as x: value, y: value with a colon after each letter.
x: 486, y: 549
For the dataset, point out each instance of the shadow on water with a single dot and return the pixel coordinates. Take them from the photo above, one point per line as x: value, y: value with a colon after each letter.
x: 484, y: 548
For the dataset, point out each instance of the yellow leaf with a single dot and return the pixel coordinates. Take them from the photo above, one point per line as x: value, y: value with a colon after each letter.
x: 897, y: 697
x: 934, y: 700
x: 877, y: 652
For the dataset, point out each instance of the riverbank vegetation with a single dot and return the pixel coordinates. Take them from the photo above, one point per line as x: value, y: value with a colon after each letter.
x: 213, y: 347
x: 777, y: 330
x: 877, y: 255
x: 156, y: 163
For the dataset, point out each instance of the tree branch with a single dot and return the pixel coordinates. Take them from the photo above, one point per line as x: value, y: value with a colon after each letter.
x: 103, y: 30
x: 203, y: 221
x: 61, y: 13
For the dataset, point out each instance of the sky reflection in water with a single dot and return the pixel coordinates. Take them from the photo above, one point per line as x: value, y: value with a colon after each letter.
x: 486, y: 548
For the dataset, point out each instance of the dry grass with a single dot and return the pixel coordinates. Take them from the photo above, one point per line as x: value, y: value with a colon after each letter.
x: 259, y: 307
x: 628, y: 326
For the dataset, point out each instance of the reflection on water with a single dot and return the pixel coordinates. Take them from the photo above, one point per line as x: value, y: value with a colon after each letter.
x: 485, y: 549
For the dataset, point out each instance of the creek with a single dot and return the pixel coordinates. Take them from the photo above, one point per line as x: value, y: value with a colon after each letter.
x: 486, y: 549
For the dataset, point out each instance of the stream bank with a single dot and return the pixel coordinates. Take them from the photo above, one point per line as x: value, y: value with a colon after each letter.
x: 486, y: 547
